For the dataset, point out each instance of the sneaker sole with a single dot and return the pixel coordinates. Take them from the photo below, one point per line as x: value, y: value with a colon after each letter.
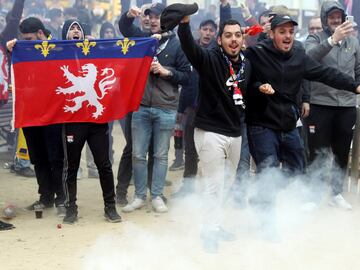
x: 32, y: 208
x: 132, y: 210
x: 334, y: 205
x: 112, y: 220
x: 7, y: 228
x: 122, y: 204
x: 176, y: 169
x: 160, y: 212
x: 70, y: 223
x: 129, y: 211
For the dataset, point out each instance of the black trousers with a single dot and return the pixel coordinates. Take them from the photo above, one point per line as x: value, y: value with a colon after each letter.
x: 125, y: 166
x: 331, y: 129
x: 191, y: 156
x: 97, y: 137
x: 46, y: 153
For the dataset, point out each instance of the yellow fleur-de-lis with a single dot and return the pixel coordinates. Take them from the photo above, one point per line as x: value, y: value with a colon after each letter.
x: 86, y: 45
x: 45, y: 48
x: 125, y: 45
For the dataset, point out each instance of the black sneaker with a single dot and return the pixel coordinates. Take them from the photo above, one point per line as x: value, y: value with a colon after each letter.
x: 111, y: 214
x: 61, y: 210
x: 71, y: 216
x: 10, y: 166
x: 6, y: 226
x: 25, y: 172
x: 177, y: 165
x: 121, y: 199
x: 31, y: 207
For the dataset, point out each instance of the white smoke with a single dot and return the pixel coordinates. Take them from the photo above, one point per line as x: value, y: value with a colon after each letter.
x: 141, y: 247
x: 275, y: 239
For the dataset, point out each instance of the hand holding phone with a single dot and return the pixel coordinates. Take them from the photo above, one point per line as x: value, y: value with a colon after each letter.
x: 350, y: 19
x: 343, y: 30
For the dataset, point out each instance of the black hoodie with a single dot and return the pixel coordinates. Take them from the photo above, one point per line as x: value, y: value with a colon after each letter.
x: 104, y: 27
x: 67, y: 25
x: 216, y: 111
x: 284, y: 72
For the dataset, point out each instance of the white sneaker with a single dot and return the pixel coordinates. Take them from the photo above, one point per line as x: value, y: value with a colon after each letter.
x: 159, y: 205
x: 137, y: 203
x: 339, y: 201
x: 309, y: 207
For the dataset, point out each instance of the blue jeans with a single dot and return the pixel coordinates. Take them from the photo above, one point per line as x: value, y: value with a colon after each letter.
x: 160, y: 123
x: 269, y: 147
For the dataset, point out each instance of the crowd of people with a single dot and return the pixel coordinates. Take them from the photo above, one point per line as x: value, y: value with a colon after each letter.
x: 237, y: 96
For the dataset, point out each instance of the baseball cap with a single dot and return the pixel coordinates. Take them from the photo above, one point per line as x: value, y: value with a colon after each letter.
x: 281, y: 19
x: 32, y: 25
x: 156, y: 8
x: 334, y: 9
x: 173, y: 14
x: 208, y: 21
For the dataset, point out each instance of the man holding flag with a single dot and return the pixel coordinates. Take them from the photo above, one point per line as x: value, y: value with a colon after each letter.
x: 44, y: 142
x: 97, y: 137
x: 90, y: 84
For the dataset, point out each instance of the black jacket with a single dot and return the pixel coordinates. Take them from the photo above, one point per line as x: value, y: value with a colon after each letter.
x: 12, y: 22
x: 285, y: 73
x: 105, y: 26
x: 190, y: 91
x: 216, y: 110
x: 10, y: 32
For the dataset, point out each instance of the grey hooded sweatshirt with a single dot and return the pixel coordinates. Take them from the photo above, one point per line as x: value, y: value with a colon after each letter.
x: 344, y: 56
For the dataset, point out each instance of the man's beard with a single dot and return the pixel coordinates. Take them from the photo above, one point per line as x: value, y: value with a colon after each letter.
x: 233, y: 57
